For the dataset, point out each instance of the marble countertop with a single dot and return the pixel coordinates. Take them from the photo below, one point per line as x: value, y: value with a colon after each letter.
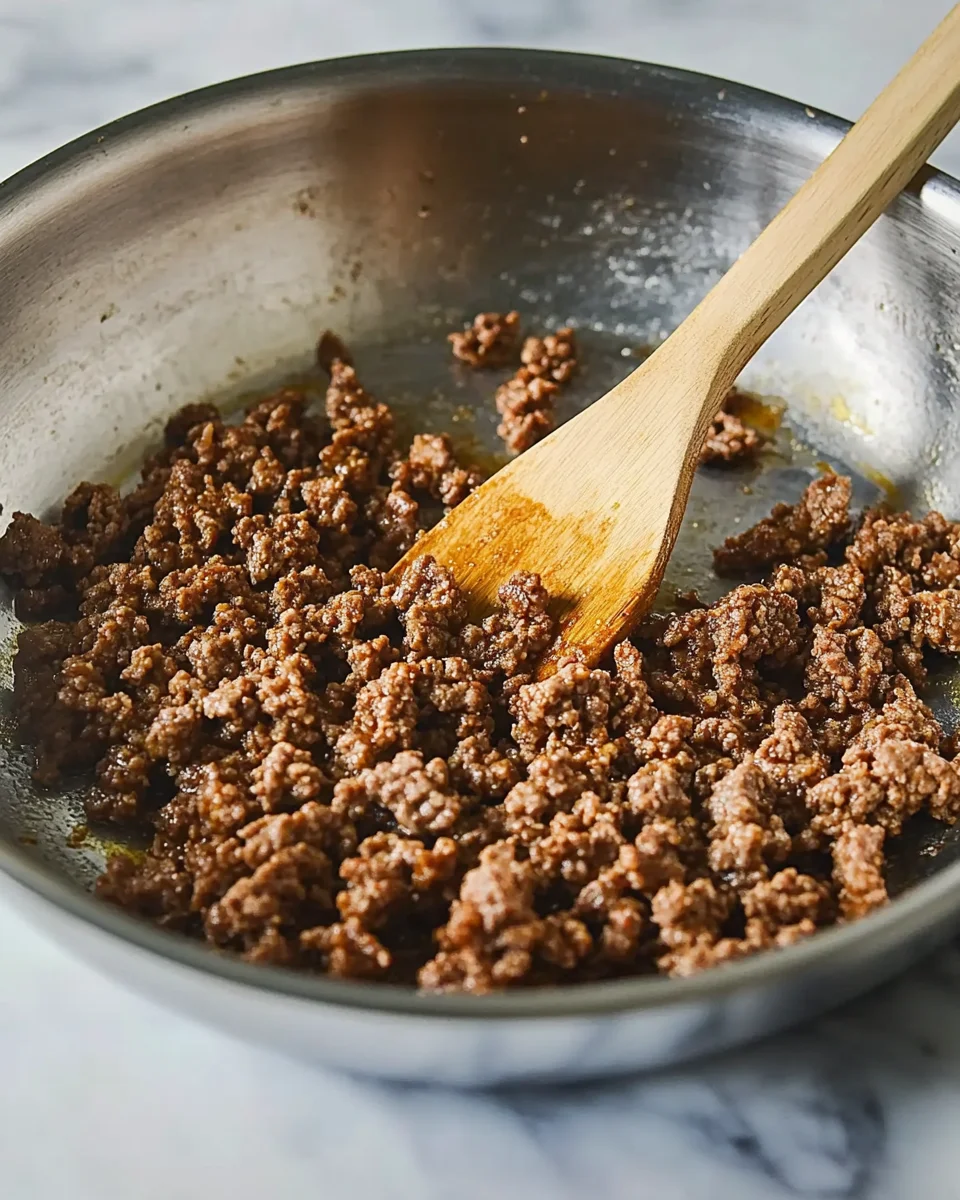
x: 94, y: 1083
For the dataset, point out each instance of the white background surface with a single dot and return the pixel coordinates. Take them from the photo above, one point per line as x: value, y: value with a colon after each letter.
x: 104, y: 1097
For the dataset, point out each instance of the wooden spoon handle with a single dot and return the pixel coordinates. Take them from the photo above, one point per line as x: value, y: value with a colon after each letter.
x: 841, y: 199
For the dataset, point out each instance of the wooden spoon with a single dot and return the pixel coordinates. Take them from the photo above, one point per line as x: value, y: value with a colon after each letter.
x: 595, y: 507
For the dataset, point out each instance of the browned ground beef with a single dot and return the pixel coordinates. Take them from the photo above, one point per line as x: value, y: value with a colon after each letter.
x: 729, y: 441
x: 525, y: 401
x: 488, y: 341
x: 339, y: 772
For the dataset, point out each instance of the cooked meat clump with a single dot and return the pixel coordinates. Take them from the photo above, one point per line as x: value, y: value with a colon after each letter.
x: 488, y: 341
x: 729, y: 440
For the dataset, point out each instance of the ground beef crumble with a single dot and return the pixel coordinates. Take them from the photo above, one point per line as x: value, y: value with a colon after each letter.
x: 341, y: 773
x: 488, y: 341
x: 525, y: 401
x: 729, y: 441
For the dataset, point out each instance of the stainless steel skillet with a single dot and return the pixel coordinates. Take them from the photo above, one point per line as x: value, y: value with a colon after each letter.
x: 196, y: 248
